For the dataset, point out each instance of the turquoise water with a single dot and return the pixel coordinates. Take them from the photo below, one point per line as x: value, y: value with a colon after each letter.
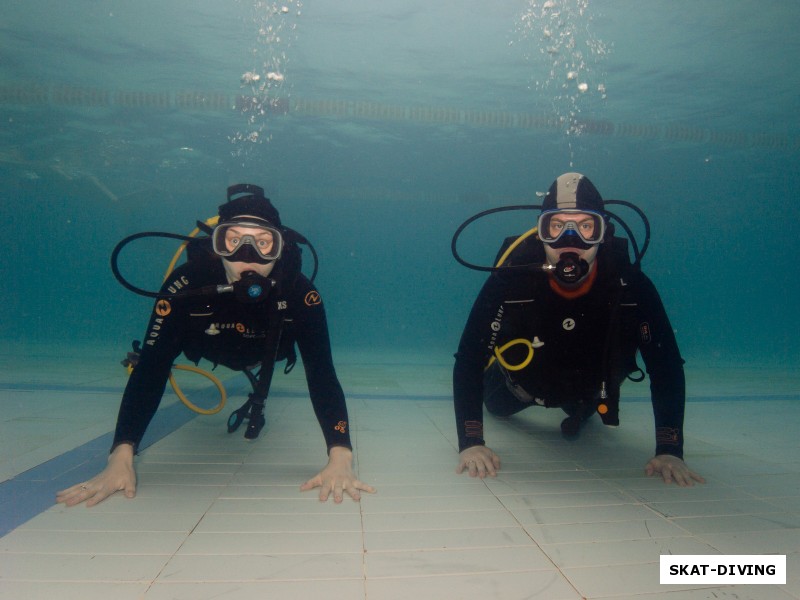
x: 377, y: 128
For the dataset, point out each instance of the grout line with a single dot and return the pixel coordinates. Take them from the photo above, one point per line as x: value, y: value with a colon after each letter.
x: 356, y: 445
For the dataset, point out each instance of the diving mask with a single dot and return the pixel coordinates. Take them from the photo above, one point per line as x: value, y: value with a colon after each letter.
x: 247, y: 239
x: 561, y: 228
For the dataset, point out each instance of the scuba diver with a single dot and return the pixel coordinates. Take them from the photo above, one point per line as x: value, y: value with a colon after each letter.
x: 558, y: 324
x: 239, y: 300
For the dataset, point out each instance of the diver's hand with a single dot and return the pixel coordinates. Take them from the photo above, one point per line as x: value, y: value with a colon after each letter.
x: 672, y: 468
x: 479, y: 461
x: 118, y: 476
x: 337, y: 477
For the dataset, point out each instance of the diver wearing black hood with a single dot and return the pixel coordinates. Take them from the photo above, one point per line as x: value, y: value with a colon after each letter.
x: 248, y: 246
x: 568, y: 338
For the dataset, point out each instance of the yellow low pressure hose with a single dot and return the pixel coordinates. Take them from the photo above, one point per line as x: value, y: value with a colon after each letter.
x: 516, y: 243
x: 211, y: 222
x: 498, y: 352
x: 179, y: 393
x: 498, y: 355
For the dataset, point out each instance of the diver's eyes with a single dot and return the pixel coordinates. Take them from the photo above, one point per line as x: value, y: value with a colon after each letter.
x: 584, y: 226
x: 263, y: 241
x: 557, y: 228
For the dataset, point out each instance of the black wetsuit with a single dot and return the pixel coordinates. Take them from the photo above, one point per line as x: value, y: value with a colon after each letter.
x: 226, y: 331
x: 582, y: 342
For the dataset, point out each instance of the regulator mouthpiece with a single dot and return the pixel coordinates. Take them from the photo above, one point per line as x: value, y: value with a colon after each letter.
x: 571, y: 268
x: 251, y: 287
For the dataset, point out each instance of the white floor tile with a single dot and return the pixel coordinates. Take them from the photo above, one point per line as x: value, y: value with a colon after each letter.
x: 238, y: 543
x: 740, y: 523
x: 773, y: 541
x: 381, y: 541
x: 453, y: 562
x: 528, y: 585
x: 92, y: 542
x: 333, y: 521
x: 598, y: 513
x: 381, y: 503
x: 731, y: 592
x: 281, y: 567
x: 306, y: 588
x: 80, y: 518
x: 296, y: 504
x: 456, y: 486
x: 620, y: 581
x: 66, y: 590
x: 81, y: 567
x: 623, y: 552
x: 604, y: 532
x: 578, y: 499
x: 714, y: 508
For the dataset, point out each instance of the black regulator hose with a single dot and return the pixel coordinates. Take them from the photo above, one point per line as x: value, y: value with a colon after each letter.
x: 250, y: 288
x: 637, y: 253
x: 299, y: 238
x: 124, y: 242
x: 474, y: 218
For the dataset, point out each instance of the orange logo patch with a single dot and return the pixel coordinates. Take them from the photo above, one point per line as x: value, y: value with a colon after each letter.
x: 313, y: 298
x: 341, y: 427
x: 163, y: 308
x: 240, y: 328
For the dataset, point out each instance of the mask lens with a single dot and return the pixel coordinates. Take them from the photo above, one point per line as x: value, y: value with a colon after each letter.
x: 590, y: 227
x: 229, y: 238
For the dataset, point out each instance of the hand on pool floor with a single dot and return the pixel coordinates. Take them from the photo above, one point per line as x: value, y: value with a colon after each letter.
x: 118, y: 476
x: 337, y: 478
x: 671, y: 468
x: 479, y: 461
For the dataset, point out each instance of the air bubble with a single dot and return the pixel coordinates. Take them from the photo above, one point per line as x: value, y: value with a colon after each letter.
x: 562, y: 49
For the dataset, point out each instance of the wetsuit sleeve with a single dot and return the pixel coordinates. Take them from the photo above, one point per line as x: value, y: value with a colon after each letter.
x: 310, y: 328
x: 142, y: 396
x: 473, y: 352
x: 664, y: 365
